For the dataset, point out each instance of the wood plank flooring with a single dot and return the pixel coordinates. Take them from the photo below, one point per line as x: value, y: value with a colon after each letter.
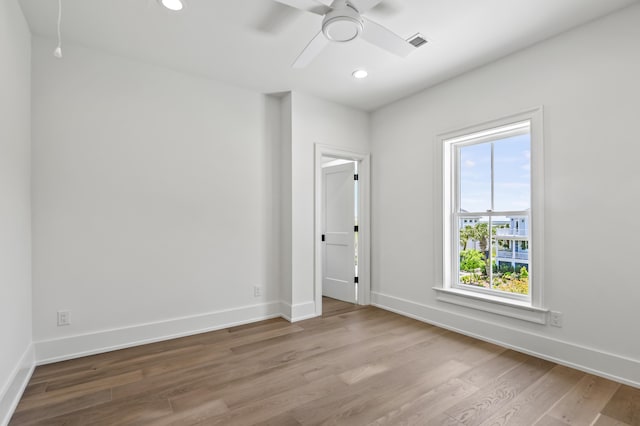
x: 352, y: 366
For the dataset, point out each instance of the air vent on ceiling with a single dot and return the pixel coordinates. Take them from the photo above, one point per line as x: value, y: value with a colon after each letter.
x: 417, y: 40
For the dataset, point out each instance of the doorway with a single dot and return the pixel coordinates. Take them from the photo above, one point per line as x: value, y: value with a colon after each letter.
x: 339, y: 219
x: 342, y: 229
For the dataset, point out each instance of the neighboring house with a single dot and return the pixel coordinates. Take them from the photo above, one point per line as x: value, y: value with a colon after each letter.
x: 512, y: 237
x: 470, y: 221
x: 513, y: 244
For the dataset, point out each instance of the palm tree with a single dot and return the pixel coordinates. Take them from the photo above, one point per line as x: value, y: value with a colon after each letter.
x: 481, y: 235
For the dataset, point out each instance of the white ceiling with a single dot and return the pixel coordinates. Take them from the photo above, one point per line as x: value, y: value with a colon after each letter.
x: 252, y: 43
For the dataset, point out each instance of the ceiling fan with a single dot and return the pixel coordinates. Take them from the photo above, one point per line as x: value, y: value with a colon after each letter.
x: 343, y: 22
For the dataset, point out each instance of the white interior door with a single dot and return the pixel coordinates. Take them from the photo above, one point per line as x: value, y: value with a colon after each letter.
x: 338, y: 208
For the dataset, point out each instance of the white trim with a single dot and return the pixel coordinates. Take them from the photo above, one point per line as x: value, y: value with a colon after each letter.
x: 298, y: 312
x: 444, y: 241
x: 54, y: 350
x: 285, y: 311
x: 590, y: 360
x: 13, y: 389
x: 364, y: 225
x: 485, y: 135
x: 493, y: 304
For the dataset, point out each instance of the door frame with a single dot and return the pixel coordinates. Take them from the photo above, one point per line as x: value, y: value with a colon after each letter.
x: 364, y: 221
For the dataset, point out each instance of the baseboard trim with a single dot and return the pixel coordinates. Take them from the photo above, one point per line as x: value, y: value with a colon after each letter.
x: 298, y: 312
x: 15, y: 386
x: 303, y: 311
x: 55, y: 350
x: 590, y: 360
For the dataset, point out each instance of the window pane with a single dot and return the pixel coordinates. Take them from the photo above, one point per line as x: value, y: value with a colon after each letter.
x: 510, y: 236
x: 475, y: 178
x: 474, y: 249
x: 512, y: 173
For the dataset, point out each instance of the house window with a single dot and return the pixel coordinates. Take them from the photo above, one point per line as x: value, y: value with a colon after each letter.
x: 492, y: 214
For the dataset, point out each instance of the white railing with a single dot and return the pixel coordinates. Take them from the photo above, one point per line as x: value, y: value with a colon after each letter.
x: 510, y: 232
x: 511, y: 255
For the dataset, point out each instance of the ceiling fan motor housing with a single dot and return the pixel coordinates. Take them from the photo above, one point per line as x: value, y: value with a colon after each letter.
x: 342, y: 24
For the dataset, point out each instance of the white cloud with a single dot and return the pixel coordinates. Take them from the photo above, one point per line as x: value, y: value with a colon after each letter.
x: 469, y: 163
x: 527, y: 154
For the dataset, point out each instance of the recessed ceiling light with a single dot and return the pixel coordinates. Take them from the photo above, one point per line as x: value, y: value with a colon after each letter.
x: 360, y: 74
x: 172, y: 4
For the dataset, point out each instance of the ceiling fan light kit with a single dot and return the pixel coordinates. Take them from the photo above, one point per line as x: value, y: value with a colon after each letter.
x: 342, y: 22
x: 342, y: 25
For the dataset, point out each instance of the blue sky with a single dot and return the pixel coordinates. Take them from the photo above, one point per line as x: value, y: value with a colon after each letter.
x: 512, y: 174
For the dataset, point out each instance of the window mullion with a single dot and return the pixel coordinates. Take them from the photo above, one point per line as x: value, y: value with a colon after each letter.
x: 490, y: 260
x: 456, y: 215
x: 492, y: 180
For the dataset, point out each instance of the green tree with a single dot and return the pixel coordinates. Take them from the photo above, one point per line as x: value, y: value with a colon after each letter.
x: 471, y: 260
x: 481, y: 235
x: 466, y: 233
x: 524, y: 273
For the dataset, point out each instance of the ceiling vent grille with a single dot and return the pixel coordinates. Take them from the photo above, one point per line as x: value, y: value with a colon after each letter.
x: 417, y: 40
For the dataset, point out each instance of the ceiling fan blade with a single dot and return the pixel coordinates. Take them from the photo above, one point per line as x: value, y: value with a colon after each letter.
x: 363, y: 5
x: 277, y: 18
x: 312, y: 50
x: 386, y: 8
x: 386, y: 39
x: 312, y: 6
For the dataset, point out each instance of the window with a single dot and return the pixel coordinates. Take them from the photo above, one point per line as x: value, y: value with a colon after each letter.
x: 492, y: 211
x: 492, y: 184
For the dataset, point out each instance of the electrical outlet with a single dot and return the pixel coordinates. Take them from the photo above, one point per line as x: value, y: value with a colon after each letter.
x: 63, y: 318
x: 555, y: 318
x: 257, y: 291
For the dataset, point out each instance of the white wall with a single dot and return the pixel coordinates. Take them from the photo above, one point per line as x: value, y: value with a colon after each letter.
x: 587, y: 81
x: 315, y: 121
x: 15, y: 201
x: 155, y: 199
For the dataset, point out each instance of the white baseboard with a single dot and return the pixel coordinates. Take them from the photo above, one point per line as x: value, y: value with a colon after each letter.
x: 303, y: 311
x: 298, y: 312
x: 590, y: 360
x: 14, y: 387
x: 285, y: 311
x: 48, y: 351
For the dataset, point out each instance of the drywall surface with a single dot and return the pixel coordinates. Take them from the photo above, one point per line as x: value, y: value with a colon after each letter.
x: 285, y: 205
x: 15, y: 199
x: 315, y: 121
x: 155, y: 198
x: 587, y: 82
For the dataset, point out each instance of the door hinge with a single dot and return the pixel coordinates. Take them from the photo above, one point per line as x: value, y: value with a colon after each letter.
x: 355, y: 177
x: 355, y: 228
x: 322, y: 237
x: 355, y: 280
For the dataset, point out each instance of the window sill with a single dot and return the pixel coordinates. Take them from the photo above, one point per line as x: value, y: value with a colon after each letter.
x: 493, y: 304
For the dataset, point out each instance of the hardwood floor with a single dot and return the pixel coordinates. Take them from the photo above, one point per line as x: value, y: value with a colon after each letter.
x: 353, y: 366
x: 331, y: 307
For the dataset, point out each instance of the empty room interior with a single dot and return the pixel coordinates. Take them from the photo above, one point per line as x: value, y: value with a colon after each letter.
x: 304, y: 212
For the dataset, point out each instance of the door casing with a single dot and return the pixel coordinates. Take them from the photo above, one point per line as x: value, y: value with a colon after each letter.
x: 364, y: 222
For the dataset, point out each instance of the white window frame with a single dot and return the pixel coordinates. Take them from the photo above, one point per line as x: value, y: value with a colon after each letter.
x: 530, y: 307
